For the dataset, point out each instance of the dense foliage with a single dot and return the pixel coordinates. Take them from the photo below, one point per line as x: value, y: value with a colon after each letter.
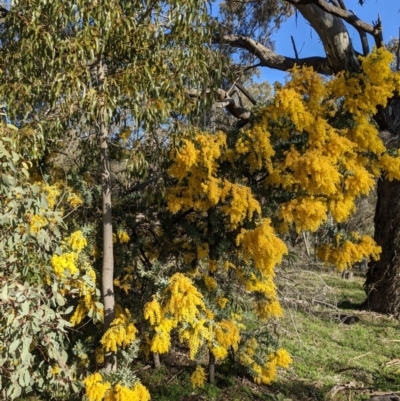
x: 199, y: 217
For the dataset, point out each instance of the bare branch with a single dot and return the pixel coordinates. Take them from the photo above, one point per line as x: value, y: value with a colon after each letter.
x: 294, y: 47
x: 251, y: 67
x: 246, y: 92
x: 229, y: 103
x: 374, y: 30
x: 269, y: 58
x: 364, y: 42
x: 342, y: 5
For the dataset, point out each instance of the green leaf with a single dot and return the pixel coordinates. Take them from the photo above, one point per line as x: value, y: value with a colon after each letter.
x: 25, y: 308
x: 17, y: 390
x: 60, y: 299
x: 4, y: 293
x: 11, y: 126
x: 14, y: 345
x: 69, y: 310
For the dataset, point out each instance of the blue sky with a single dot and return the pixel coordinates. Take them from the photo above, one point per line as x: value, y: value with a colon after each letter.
x: 307, y: 41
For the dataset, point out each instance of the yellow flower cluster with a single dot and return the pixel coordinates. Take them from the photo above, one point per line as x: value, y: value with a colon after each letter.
x: 200, y: 188
x: 97, y: 390
x: 52, y: 193
x: 269, y: 306
x: 122, y: 236
x: 264, y: 373
x: 304, y: 213
x: 262, y: 246
x: 317, y: 144
x: 210, y: 282
x: 255, y: 144
x: 184, y: 159
x: 70, y: 270
x: 247, y: 351
x: 345, y: 253
x: 202, y: 251
x: 74, y: 200
x: 240, y: 204
x: 125, y: 283
x: 363, y: 92
x: 196, y: 335
x: 65, y: 263
x: 121, y: 393
x: 198, y: 160
x: 227, y: 334
x: 267, y: 373
x: 221, y: 301
x: 185, y: 300
x: 121, y: 333
x: 391, y: 165
x: 198, y: 377
x: 330, y: 170
x: 55, y: 370
x: 87, y: 293
x: 37, y: 222
x: 76, y: 241
x: 183, y: 305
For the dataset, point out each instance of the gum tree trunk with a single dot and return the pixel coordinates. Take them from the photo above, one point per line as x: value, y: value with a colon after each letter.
x: 108, y: 252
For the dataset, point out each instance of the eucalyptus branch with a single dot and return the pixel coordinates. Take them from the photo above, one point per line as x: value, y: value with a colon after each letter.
x: 246, y: 92
x: 229, y: 103
x: 375, y: 30
x: 268, y: 58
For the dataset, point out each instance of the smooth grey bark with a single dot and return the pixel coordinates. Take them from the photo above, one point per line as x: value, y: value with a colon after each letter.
x: 108, y: 252
x: 211, y: 368
x: 334, y: 36
x: 156, y: 360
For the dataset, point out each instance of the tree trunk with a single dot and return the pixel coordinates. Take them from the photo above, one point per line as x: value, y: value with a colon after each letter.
x: 156, y: 360
x: 108, y: 252
x: 383, y: 277
x: 211, y: 368
x: 334, y: 36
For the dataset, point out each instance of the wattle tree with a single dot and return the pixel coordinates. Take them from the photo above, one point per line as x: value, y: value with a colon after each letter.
x: 328, y: 20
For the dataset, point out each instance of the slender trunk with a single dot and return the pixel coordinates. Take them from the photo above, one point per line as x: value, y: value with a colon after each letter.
x: 211, y: 368
x: 212, y: 256
x: 108, y: 254
x: 306, y: 244
x: 156, y: 360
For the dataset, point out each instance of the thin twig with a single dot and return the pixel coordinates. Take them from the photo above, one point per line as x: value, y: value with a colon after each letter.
x: 173, y: 377
x: 294, y: 47
x: 360, y: 356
